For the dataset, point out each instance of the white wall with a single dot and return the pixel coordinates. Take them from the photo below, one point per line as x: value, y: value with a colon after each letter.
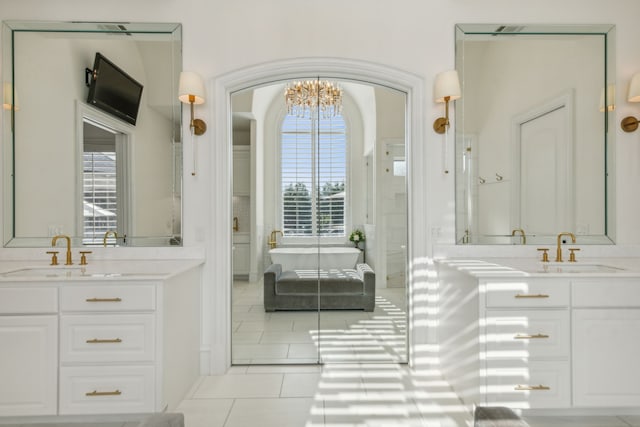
x: 415, y: 36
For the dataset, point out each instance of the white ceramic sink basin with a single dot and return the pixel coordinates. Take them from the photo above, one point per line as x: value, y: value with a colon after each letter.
x: 576, y: 267
x: 45, y: 272
x: 66, y: 271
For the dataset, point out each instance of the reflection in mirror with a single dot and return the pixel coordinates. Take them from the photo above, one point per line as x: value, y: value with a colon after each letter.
x: 533, y: 151
x: 301, y: 187
x: 70, y: 168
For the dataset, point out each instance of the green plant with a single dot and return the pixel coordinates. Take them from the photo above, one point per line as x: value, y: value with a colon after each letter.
x: 357, y: 236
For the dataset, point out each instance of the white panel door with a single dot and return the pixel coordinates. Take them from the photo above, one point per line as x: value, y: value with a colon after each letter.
x: 545, y: 176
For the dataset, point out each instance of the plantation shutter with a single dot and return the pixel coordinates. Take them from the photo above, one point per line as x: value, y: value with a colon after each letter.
x: 100, y: 198
x: 313, y: 158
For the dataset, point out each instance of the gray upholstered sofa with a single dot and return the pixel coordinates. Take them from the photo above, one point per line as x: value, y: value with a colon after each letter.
x: 344, y: 289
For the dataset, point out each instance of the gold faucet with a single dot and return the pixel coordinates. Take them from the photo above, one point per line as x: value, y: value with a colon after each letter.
x: 106, y: 236
x: 236, y: 226
x: 273, y: 239
x: 523, y: 237
x: 55, y: 240
x: 559, y: 250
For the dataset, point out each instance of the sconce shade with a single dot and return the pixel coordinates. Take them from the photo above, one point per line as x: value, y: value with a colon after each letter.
x: 191, y: 84
x: 634, y: 89
x: 446, y: 84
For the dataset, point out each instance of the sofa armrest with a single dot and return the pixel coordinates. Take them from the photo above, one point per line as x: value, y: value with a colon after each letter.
x: 274, y: 269
x: 368, y: 277
x: 271, y: 275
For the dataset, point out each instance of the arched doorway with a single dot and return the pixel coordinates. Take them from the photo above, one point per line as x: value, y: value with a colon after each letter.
x: 218, y: 274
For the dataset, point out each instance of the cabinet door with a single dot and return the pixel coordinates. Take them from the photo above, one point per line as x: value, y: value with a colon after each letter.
x: 605, y: 357
x: 241, y: 172
x: 28, y: 365
x: 240, y: 258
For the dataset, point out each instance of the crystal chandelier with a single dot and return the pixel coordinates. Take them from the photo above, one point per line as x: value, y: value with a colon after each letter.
x: 313, y: 96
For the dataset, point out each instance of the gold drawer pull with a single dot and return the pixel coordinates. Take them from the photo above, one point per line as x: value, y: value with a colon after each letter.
x: 529, y: 337
x: 532, y: 296
x: 97, y: 341
x: 104, y: 300
x: 103, y: 393
x: 531, y: 387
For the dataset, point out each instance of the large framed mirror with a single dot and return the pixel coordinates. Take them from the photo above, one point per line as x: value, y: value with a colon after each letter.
x: 534, y: 152
x: 81, y: 168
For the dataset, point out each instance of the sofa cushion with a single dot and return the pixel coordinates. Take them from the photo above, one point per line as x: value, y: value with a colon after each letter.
x: 332, y: 282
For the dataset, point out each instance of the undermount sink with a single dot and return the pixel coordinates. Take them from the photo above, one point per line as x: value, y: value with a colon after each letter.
x: 66, y: 271
x: 579, y: 268
x: 45, y: 272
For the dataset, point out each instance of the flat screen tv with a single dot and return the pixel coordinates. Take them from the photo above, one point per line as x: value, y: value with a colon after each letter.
x: 113, y: 90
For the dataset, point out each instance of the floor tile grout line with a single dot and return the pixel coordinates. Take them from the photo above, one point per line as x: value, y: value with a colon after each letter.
x: 226, y: 419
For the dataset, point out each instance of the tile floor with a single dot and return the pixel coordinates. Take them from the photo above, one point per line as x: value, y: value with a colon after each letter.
x: 302, y: 337
x: 342, y: 395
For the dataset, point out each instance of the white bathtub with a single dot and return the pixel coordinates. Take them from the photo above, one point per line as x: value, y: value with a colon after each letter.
x: 307, y: 258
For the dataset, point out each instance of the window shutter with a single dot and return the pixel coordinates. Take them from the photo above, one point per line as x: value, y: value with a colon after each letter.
x: 313, y: 176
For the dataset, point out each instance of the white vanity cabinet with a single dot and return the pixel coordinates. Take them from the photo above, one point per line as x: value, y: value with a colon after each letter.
x: 606, y: 342
x: 540, y: 341
x: 108, y: 348
x: 28, y: 355
x: 99, y: 346
x: 526, y: 341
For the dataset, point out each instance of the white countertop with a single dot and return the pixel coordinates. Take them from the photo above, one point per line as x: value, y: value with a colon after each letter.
x: 29, y: 271
x: 525, y: 267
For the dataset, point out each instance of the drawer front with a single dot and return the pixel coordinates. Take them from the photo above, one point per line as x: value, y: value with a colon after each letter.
x: 107, y: 338
x: 522, y: 384
x: 28, y: 300
x: 527, y: 334
x: 606, y: 293
x: 107, y: 390
x: 528, y: 293
x: 108, y: 298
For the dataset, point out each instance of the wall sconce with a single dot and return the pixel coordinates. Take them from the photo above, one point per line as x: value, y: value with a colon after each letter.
x: 191, y: 91
x: 630, y: 123
x: 446, y: 88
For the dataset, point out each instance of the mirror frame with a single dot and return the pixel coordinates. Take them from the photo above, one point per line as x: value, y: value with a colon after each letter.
x: 173, y: 31
x: 462, y: 184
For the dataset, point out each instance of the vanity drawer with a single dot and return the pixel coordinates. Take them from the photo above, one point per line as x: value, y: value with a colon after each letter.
x: 528, y: 293
x: 28, y: 300
x: 522, y: 384
x: 107, y: 338
x: 107, y: 389
x: 108, y: 298
x: 606, y: 293
x: 527, y: 334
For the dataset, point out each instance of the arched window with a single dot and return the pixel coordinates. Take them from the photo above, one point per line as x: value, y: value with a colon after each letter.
x: 313, y: 176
